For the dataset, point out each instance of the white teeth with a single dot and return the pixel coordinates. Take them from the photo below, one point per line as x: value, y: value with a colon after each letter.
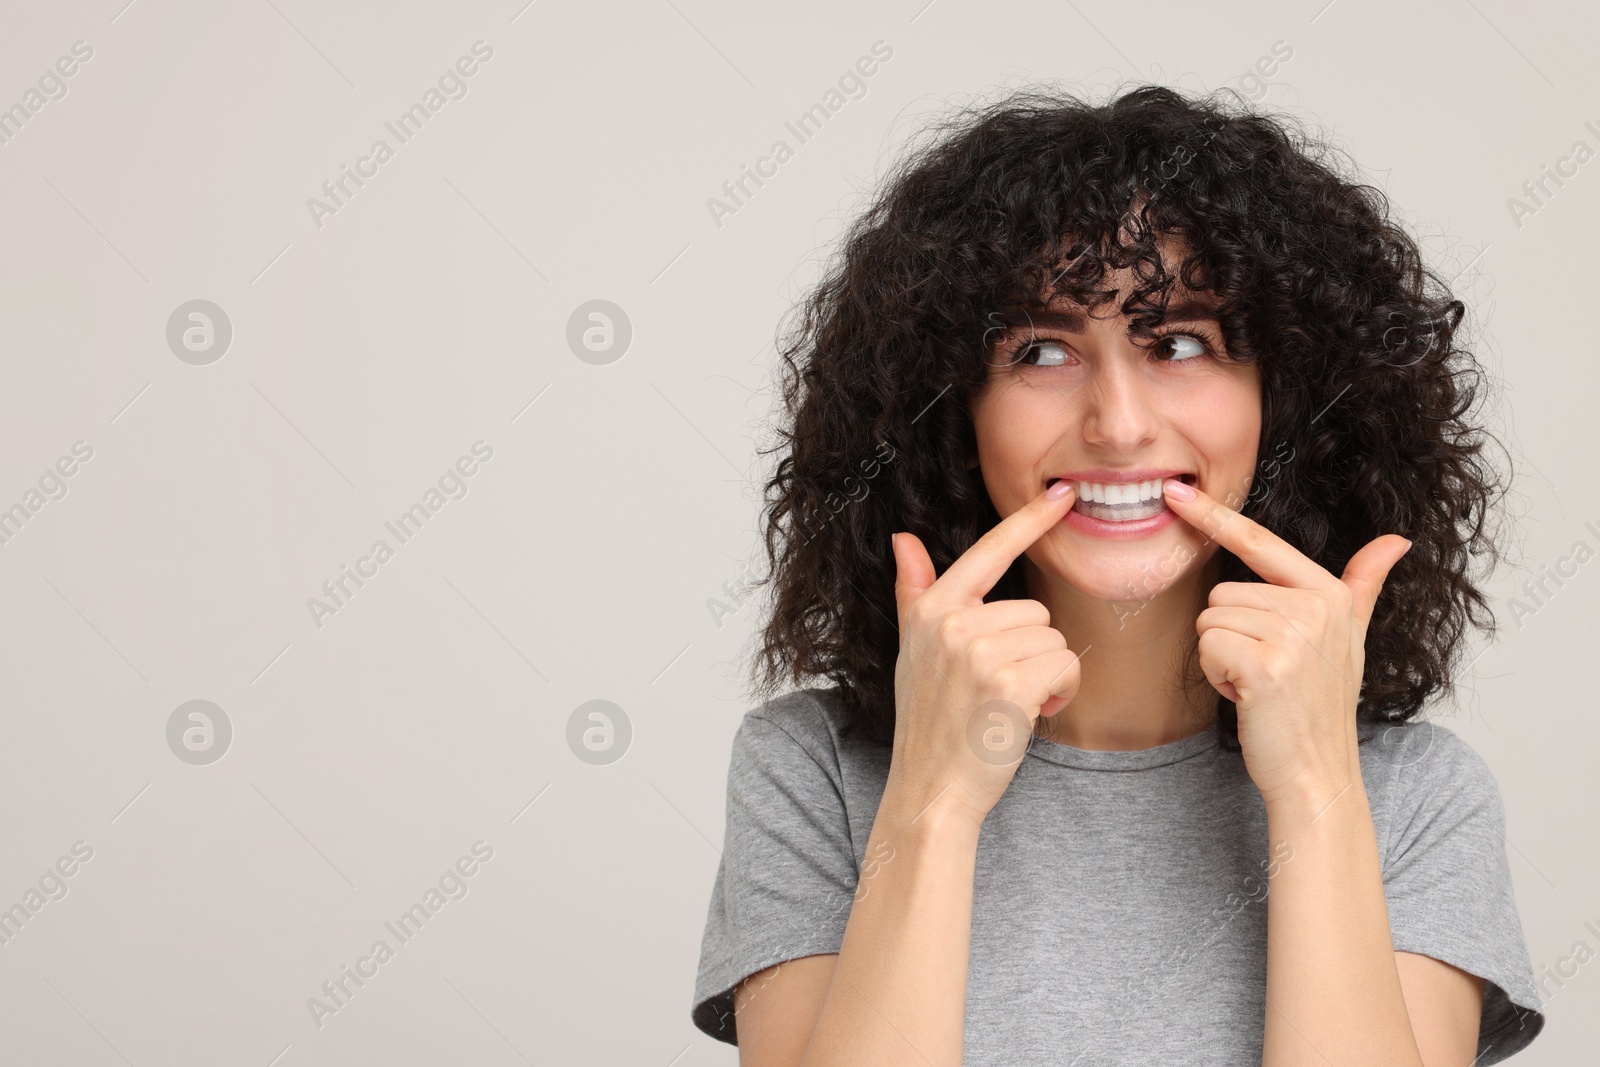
x: 1120, y: 492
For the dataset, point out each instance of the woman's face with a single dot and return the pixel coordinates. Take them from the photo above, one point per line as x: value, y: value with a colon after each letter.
x: 1072, y: 396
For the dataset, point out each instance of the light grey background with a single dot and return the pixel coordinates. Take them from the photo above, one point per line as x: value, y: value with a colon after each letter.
x: 431, y: 312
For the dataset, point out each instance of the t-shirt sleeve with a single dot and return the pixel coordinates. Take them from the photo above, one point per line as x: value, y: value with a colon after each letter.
x: 784, y: 885
x: 1447, y: 882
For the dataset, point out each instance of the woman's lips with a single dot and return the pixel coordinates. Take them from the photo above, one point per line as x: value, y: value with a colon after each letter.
x: 1122, y: 501
x: 1123, y: 509
x: 1113, y: 529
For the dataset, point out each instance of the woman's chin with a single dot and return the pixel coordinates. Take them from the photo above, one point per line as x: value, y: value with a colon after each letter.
x: 1127, y: 575
x: 1120, y: 571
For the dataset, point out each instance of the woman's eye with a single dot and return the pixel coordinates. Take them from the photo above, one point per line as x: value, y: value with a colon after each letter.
x: 1037, y: 349
x: 1187, y: 347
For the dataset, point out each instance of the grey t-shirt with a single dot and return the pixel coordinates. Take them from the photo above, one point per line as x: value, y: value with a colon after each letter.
x: 1119, y: 902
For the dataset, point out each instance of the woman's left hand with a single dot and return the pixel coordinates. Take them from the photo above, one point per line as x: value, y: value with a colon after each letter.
x: 1290, y: 653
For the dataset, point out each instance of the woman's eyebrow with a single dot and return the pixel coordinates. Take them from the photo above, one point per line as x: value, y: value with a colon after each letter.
x: 1072, y: 320
x: 1190, y: 311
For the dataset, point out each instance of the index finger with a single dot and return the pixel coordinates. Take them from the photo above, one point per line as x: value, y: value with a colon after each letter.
x: 1263, y: 551
x: 981, y: 566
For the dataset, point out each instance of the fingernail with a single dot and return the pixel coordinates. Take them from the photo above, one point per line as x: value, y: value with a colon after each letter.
x: 1058, y: 490
x: 1178, y: 490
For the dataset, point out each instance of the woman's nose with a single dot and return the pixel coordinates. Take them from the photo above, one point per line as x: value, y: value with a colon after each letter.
x: 1118, y: 409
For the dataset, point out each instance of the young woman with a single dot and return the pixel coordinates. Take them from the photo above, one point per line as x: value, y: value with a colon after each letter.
x: 1130, y: 503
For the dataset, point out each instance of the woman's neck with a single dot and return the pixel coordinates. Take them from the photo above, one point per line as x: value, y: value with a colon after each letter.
x: 1132, y: 694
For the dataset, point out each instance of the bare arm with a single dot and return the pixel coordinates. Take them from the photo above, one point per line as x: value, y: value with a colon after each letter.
x: 1290, y: 652
x: 895, y: 993
x: 1336, y: 988
x: 1445, y: 1004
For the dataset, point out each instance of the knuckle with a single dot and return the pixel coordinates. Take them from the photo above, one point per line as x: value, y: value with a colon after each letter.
x: 983, y: 650
x: 1276, y: 665
x: 1005, y: 679
x: 950, y: 630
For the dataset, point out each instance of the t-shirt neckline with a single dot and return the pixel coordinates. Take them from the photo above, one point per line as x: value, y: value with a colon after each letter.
x: 1137, y: 759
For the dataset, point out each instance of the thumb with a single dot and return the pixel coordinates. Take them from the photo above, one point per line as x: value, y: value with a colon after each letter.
x: 1366, y: 571
x: 913, y: 572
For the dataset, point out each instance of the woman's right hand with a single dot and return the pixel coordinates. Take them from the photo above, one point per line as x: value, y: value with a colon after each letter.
x: 973, y: 678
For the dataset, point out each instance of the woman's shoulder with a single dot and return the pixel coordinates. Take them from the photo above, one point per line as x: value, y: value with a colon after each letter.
x: 1424, y: 764
x: 810, y: 721
x: 813, y: 713
x: 1425, y: 746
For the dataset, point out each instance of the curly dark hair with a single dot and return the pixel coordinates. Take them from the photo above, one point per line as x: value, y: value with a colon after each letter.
x: 1368, y: 396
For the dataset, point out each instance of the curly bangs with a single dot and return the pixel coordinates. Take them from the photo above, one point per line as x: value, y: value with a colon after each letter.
x: 1368, y: 398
